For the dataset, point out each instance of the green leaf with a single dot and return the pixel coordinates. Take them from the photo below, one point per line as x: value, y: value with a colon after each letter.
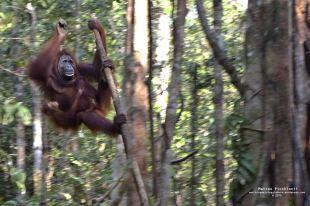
x: 24, y: 114
x: 10, y: 203
x: 78, y: 163
x: 18, y: 177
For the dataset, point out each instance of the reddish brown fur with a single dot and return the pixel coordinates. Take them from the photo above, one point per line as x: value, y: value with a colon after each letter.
x: 70, y: 104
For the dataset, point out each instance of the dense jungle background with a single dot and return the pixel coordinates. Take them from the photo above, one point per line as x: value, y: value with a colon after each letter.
x: 216, y: 94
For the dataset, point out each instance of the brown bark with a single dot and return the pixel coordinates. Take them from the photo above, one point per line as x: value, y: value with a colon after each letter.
x: 302, y: 96
x: 130, y: 27
x: 253, y: 77
x: 218, y: 102
x: 268, y: 109
x: 277, y: 74
x: 127, y: 134
x: 174, y: 94
x: 136, y: 91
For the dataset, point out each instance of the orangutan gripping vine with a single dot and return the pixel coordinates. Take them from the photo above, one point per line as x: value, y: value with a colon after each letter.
x: 70, y: 98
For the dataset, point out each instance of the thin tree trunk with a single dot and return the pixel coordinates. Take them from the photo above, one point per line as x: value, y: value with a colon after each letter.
x: 117, y: 195
x: 43, y: 198
x: 218, y: 102
x: 174, y: 94
x: 20, y: 128
x: 158, y: 151
x: 219, y: 134
x: 37, y: 118
x: 21, y: 144
x: 130, y: 27
x: 37, y: 139
x: 78, y: 28
x: 118, y: 165
x: 151, y: 112
x: 194, y: 105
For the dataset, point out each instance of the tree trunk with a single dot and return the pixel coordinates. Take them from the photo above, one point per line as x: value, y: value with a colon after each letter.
x: 269, y: 96
x: 21, y: 144
x: 20, y: 128
x: 162, y: 57
x: 268, y: 109
x: 135, y: 90
x: 150, y: 99
x: 218, y: 102
x: 302, y: 97
x: 194, y: 105
x: 118, y: 166
x: 158, y: 151
x: 45, y: 161
x: 37, y: 118
x: 37, y: 139
x: 78, y: 28
x: 219, y: 49
x: 174, y: 93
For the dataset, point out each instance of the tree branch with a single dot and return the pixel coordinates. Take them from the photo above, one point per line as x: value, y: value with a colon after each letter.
x: 12, y: 72
x: 218, y: 48
x: 111, y: 188
x: 173, y: 162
